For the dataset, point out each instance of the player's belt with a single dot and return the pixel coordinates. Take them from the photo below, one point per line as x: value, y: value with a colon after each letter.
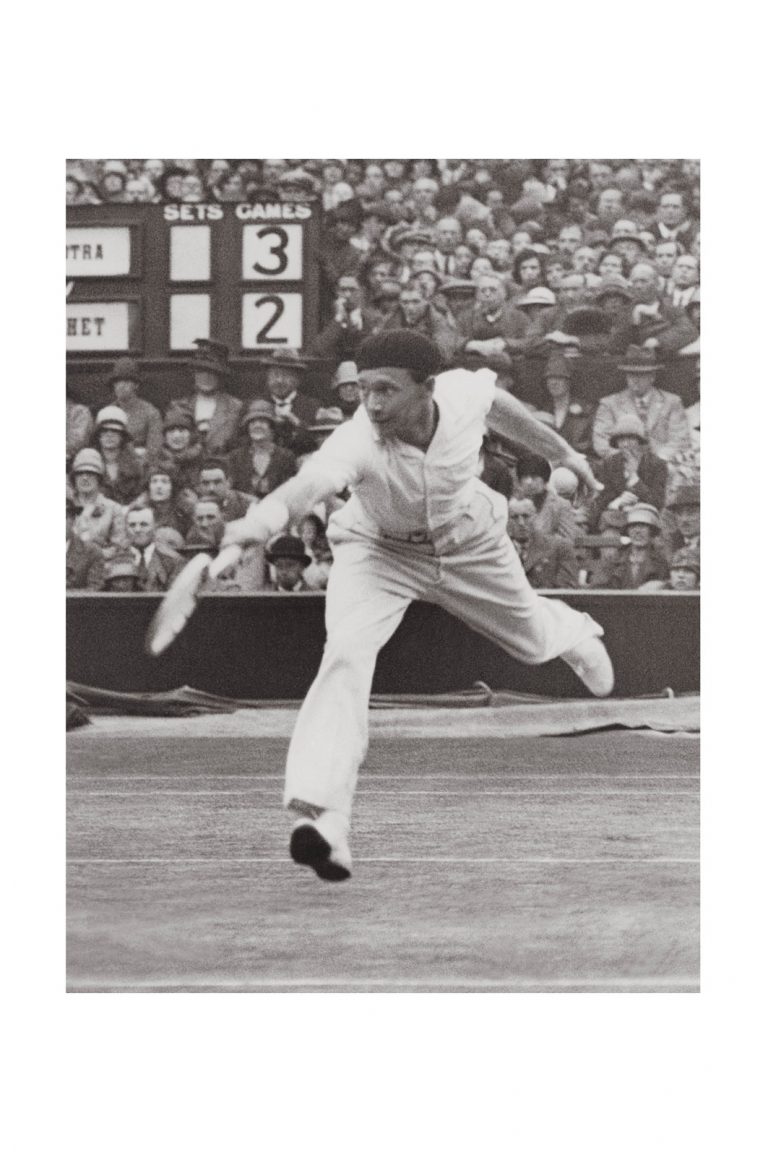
x: 410, y: 537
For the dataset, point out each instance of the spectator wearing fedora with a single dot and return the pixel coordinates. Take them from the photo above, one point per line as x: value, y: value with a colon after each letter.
x: 661, y: 413
x: 214, y: 412
x: 288, y: 561
x: 292, y: 409
x: 123, y: 474
x: 415, y: 312
x: 641, y: 560
x: 554, y: 514
x: 653, y: 321
x: 99, y: 520
x: 682, y: 521
x: 260, y: 465
x: 144, y: 422
x: 631, y: 474
x: 346, y: 393
x: 156, y: 565
x: 79, y: 428
x: 548, y: 561
x: 569, y: 416
x: 85, y: 562
x: 180, y: 452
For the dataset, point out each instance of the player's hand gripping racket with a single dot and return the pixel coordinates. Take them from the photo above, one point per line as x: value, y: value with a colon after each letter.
x: 180, y: 600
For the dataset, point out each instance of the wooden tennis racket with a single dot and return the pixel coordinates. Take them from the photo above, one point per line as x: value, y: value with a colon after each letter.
x: 180, y: 600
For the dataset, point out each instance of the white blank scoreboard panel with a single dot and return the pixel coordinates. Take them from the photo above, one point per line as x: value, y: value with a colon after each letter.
x: 272, y: 320
x: 190, y: 254
x: 273, y: 252
x: 190, y: 320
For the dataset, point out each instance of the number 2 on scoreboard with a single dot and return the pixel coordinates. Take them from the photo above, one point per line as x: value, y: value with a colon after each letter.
x: 272, y: 320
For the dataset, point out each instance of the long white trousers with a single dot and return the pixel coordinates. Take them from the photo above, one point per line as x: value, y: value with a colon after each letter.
x: 473, y: 572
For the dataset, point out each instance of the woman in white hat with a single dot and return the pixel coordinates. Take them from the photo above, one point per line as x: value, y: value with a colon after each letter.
x: 641, y: 560
x: 99, y: 520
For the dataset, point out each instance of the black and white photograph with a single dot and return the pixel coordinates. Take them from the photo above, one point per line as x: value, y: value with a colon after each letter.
x: 383, y: 569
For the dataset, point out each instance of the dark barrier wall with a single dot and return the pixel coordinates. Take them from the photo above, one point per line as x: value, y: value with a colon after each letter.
x: 268, y: 647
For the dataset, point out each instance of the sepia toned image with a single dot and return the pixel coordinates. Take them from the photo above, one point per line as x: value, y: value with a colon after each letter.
x: 383, y: 575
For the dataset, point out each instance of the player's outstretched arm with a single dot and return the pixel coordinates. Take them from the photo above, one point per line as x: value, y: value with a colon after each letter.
x: 512, y: 420
x: 291, y: 501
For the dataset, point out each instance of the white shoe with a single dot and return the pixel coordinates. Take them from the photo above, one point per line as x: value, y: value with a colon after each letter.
x: 321, y: 844
x: 592, y: 664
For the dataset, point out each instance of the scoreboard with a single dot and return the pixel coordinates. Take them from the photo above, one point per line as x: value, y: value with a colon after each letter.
x: 147, y: 280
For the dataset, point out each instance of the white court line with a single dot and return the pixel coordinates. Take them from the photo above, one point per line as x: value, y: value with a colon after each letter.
x: 373, y: 775
x: 389, y: 860
x: 649, y: 792
x: 430, y: 982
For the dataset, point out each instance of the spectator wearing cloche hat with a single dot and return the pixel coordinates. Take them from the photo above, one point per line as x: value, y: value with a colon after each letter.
x: 144, y: 422
x: 259, y: 465
x: 123, y: 474
x: 345, y: 385
x: 99, y: 520
x: 215, y: 413
x: 631, y: 473
x: 641, y: 560
x: 661, y: 413
x: 565, y: 412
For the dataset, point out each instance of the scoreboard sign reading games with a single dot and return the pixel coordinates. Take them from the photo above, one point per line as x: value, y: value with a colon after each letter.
x: 150, y: 279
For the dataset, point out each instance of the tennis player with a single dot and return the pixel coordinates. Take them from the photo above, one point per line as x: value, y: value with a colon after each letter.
x: 419, y: 525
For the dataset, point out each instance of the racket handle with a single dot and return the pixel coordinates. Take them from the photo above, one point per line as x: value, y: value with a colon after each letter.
x: 225, y: 559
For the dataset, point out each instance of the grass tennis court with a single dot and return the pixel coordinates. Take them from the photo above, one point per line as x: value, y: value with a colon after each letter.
x: 562, y: 864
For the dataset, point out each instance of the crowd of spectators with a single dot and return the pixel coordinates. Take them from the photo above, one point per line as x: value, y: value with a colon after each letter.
x: 575, y: 281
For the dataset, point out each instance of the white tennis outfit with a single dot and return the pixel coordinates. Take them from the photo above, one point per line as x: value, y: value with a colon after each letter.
x: 420, y: 525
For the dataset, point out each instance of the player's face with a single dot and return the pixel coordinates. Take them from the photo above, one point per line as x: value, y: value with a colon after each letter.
x: 392, y: 399
x: 141, y: 527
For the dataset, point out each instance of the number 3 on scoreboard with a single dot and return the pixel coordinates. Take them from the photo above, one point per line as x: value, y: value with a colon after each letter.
x: 272, y: 320
x: 272, y: 252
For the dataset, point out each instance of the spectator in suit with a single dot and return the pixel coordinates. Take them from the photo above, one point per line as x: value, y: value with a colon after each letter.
x: 641, y: 560
x: 554, y: 515
x: 568, y: 415
x: 123, y: 474
x: 260, y: 465
x: 494, y: 330
x: 207, y: 525
x: 85, y: 563
x: 144, y: 422
x: 352, y: 321
x: 292, y: 410
x: 79, y: 427
x: 288, y: 561
x: 216, y: 484
x: 684, y: 281
x: 448, y: 234
x: 99, y: 520
x: 631, y: 474
x: 673, y: 221
x: 156, y: 566
x: 548, y: 561
x: 682, y: 527
x: 661, y: 413
x: 654, y: 323
x: 413, y: 311
x: 214, y: 412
